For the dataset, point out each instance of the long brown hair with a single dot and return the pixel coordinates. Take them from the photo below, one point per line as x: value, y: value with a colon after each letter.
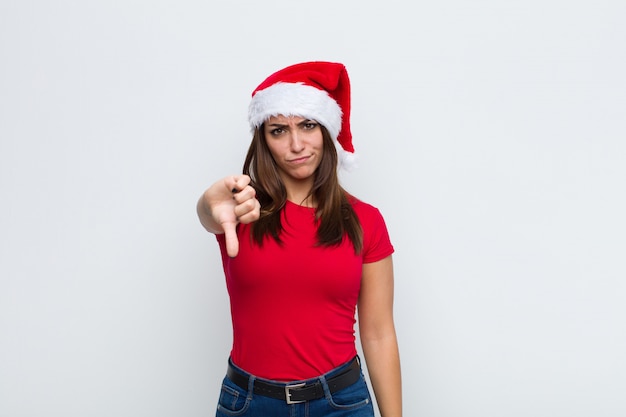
x: 334, y: 213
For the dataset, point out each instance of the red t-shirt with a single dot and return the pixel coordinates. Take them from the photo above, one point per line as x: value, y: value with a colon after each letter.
x: 293, y: 305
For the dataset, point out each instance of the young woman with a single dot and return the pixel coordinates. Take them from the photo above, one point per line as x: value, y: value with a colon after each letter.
x: 300, y: 256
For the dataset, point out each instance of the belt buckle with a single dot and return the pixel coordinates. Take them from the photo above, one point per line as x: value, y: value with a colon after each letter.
x: 288, y: 389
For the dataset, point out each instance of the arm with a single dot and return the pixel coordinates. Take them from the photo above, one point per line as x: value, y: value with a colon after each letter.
x: 378, y: 336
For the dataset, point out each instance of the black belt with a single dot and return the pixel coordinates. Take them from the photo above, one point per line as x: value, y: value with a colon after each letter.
x: 298, y: 392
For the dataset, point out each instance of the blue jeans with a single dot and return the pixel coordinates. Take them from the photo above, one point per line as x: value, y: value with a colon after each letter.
x: 352, y: 401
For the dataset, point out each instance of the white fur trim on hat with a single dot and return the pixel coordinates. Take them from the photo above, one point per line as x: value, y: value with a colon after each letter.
x: 295, y: 99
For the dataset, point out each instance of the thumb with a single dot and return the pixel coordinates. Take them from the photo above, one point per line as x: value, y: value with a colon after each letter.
x: 232, y: 242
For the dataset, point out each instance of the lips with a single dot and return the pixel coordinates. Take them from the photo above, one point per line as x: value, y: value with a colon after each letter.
x: 297, y: 161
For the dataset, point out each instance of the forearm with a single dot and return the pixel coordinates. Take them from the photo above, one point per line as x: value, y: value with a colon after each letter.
x: 383, y: 365
x: 206, y: 218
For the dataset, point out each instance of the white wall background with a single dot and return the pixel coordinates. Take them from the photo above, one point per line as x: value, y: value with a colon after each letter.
x: 491, y: 135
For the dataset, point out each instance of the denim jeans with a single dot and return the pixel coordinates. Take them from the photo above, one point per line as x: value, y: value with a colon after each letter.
x: 352, y: 401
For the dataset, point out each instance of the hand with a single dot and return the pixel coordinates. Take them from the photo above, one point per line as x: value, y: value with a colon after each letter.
x: 228, y: 202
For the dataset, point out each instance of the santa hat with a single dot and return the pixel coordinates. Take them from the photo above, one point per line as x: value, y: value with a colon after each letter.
x: 317, y: 90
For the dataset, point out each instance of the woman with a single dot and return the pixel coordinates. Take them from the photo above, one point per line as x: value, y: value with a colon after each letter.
x: 299, y: 254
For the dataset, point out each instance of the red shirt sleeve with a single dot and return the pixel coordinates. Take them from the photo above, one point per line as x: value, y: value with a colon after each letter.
x: 376, y: 242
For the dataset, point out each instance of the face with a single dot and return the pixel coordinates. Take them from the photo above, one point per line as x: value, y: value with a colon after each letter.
x: 296, y: 144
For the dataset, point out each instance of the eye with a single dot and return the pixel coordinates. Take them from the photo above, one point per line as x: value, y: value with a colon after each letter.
x: 277, y: 131
x: 310, y: 125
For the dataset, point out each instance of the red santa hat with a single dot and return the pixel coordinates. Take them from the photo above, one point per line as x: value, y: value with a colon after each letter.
x: 317, y: 90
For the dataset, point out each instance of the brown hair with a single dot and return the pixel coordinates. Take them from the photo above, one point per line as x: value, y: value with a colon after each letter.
x: 334, y: 213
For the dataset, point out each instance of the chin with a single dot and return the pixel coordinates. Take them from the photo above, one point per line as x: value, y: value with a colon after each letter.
x: 302, y: 175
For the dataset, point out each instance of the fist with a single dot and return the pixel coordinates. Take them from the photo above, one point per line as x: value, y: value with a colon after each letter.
x: 228, y: 202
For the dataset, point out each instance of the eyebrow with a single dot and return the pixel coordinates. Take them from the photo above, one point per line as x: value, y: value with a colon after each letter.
x: 303, y: 122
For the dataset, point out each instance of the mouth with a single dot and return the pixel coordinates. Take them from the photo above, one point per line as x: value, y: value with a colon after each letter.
x: 297, y: 161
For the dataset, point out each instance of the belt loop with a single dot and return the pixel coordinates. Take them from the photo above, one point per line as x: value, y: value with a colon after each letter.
x: 325, y: 387
x: 251, y: 380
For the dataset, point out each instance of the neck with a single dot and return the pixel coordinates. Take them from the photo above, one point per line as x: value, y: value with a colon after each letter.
x: 298, y: 192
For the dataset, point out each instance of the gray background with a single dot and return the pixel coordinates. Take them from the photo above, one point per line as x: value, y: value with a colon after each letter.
x: 491, y: 136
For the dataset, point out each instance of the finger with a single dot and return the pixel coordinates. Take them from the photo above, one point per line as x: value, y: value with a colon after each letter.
x: 251, y: 215
x: 232, y: 242
x: 239, y: 182
x: 245, y: 206
x: 246, y: 194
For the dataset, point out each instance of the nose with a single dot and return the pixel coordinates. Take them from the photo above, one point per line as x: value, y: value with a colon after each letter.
x: 297, y: 144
